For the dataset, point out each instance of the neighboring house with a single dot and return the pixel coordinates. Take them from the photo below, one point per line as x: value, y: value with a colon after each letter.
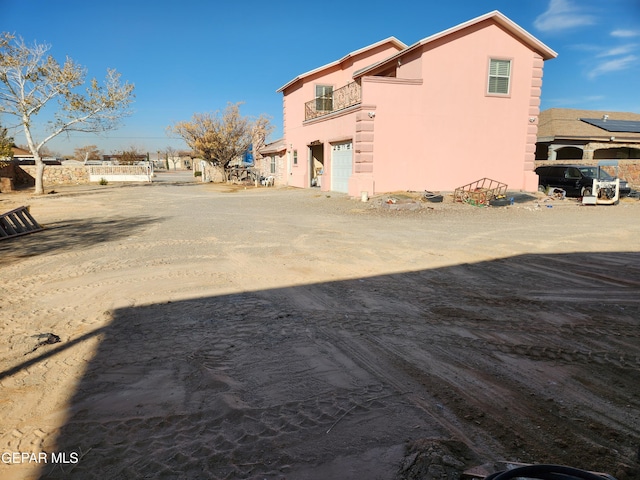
x: 453, y: 108
x: 272, y: 162
x: 566, y: 134
x: 591, y: 137
x: 179, y: 163
x: 22, y: 155
x: 117, y: 159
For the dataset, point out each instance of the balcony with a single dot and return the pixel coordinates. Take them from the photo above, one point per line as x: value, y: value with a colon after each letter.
x: 341, y: 98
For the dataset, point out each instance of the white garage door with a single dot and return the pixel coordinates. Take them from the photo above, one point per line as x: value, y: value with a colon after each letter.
x: 341, y: 166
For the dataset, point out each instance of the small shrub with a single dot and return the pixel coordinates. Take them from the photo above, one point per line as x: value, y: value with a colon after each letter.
x: 103, y: 181
x: 197, y: 173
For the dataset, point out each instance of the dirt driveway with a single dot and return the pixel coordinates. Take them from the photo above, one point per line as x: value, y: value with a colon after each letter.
x: 212, y: 332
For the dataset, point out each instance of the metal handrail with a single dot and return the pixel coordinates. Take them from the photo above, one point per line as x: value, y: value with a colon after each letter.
x: 343, y: 97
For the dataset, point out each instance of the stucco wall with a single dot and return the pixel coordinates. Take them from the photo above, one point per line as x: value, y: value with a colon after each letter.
x: 448, y: 132
x: 299, y: 134
x: 340, y: 127
x: 433, y: 126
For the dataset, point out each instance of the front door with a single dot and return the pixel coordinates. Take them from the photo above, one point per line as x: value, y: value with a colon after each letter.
x: 316, y: 164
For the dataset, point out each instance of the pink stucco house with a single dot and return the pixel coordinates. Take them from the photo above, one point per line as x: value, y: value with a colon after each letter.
x: 455, y: 107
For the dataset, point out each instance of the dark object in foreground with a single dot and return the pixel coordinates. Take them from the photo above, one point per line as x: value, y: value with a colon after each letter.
x: 50, y: 339
x: 548, y: 472
x: 432, y: 197
x: 18, y: 222
x: 540, y: 471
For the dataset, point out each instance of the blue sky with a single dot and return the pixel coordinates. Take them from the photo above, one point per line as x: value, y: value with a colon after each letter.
x: 193, y: 56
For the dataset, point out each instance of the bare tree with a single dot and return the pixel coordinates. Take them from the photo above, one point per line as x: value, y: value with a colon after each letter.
x: 88, y: 152
x: 44, y: 151
x: 262, y: 128
x: 131, y: 155
x: 48, y: 152
x: 171, y: 154
x: 221, y: 137
x: 29, y: 81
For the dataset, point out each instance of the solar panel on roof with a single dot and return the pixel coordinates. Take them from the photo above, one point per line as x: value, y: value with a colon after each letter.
x: 627, y: 126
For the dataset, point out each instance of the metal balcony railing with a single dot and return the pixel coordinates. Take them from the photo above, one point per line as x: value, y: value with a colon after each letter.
x: 342, y: 98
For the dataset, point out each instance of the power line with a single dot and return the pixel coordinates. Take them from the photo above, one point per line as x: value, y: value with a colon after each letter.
x: 120, y: 138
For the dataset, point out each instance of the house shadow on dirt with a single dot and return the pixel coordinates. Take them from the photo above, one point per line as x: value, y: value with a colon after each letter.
x: 69, y: 235
x: 534, y: 358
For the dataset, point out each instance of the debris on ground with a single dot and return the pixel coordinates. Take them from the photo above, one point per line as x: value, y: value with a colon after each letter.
x: 480, y: 192
x: 434, y: 197
x: 556, y: 194
x: 49, y: 339
x: 18, y: 222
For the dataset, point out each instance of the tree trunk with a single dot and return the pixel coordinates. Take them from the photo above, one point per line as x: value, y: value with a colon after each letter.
x: 36, y: 156
x: 39, y: 176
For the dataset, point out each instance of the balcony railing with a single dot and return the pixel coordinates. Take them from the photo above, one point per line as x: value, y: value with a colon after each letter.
x: 342, y: 98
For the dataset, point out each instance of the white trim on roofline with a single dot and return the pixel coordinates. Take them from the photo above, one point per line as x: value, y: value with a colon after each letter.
x: 546, y: 52
x: 397, y: 43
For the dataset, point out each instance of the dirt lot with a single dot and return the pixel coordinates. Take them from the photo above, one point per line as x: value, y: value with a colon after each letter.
x: 215, y: 332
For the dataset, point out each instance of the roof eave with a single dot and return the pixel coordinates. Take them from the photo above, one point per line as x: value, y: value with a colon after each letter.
x: 546, y: 52
x: 393, y: 40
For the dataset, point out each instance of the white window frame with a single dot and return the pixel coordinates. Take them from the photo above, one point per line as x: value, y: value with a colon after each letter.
x: 324, y: 98
x: 495, y: 74
x: 272, y: 168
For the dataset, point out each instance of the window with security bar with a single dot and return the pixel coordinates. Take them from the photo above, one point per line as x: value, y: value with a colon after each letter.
x: 499, y: 77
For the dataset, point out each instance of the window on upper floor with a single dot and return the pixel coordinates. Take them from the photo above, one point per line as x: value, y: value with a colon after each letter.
x: 499, y: 77
x: 324, y: 98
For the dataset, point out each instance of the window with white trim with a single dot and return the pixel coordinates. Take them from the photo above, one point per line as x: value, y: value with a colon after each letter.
x: 273, y: 164
x: 324, y: 98
x: 499, y: 77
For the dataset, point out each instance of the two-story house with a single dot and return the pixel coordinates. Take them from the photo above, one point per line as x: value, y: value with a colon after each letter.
x: 455, y: 107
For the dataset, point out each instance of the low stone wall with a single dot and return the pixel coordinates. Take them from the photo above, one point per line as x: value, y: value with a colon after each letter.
x: 628, y: 169
x: 60, y: 174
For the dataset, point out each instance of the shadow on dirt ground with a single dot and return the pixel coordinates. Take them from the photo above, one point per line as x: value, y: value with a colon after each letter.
x: 69, y: 235
x: 533, y: 358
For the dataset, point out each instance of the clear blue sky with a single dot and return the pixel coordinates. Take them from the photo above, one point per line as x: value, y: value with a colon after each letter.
x: 193, y: 56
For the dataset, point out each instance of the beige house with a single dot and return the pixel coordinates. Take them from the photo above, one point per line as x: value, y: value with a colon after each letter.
x: 567, y: 134
x: 272, y: 162
x: 21, y: 154
x: 590, y: 136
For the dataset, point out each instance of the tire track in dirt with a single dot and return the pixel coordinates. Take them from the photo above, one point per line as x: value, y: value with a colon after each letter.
x: 231, y: 410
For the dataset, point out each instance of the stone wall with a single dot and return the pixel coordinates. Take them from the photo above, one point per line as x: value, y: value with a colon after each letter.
x: 60, y: 174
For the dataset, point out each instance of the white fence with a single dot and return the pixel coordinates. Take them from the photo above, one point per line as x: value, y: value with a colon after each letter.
x: 121, y: 173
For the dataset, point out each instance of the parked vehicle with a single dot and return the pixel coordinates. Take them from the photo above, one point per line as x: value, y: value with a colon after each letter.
x: 575, y: 180
x: 592, y: 172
